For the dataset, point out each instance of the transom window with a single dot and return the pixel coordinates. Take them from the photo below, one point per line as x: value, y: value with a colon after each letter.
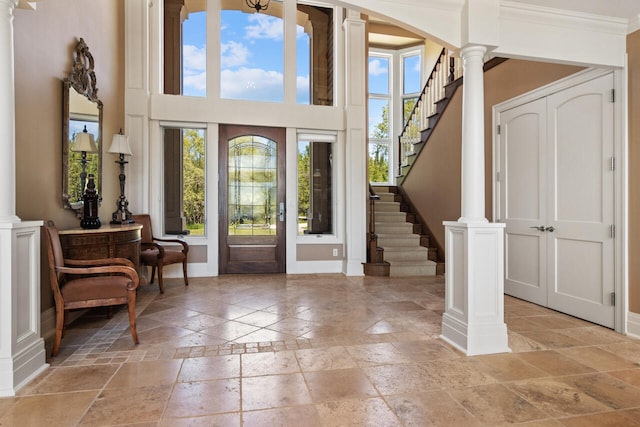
x: 252, y: 59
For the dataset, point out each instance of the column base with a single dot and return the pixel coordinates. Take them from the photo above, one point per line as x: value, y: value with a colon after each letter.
x: 17, y: 371
x: 474, y: 340
x: 473, y: 321
x: 22, y: 349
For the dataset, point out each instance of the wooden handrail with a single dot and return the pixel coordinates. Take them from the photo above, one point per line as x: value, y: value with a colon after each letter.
x: 444, y: 72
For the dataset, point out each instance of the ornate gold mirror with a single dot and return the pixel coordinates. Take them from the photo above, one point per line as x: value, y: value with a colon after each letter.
x: 82, y: 113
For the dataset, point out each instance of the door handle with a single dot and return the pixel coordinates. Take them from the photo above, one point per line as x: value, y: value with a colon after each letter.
x: 281, y: 213
x: 550, y: 229
x: 539, y: 227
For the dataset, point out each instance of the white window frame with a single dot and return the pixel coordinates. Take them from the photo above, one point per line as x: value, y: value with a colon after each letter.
x: 320, y: 136
x: 391, y: 56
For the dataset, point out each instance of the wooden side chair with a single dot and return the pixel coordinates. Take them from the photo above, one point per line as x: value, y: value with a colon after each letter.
x: 157, y: 255
x: 88, y: 283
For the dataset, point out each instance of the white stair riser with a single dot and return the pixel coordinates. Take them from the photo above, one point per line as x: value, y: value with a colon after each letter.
x: 406, y: 256
x: 387, y: 207
x: 391, y: 217
x: 388, y: 240
x: 413, y: 270
x: 386, y: 197
x: 391, y: 228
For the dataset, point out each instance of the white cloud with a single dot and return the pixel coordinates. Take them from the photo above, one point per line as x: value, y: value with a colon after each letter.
x: 195, y: 70
x: 233, y: 54
x: 194, y: 58
x: 265, y: 27
x: 376, y: 67
x: 300, y: 32
x: 252, y: 84
x: 195, y: 84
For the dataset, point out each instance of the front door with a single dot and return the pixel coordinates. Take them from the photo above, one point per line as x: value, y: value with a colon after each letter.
x: 557, y: 200
x: 252, y: 199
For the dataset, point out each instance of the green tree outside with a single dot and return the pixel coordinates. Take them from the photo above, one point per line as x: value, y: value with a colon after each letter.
x: 379, y: 153
x: 304, y: 165
x: 193, y: 179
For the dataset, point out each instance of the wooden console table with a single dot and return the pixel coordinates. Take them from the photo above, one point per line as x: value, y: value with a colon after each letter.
x: 108, y: 241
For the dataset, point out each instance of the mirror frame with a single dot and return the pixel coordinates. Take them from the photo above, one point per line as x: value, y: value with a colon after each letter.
x: 82, y: 79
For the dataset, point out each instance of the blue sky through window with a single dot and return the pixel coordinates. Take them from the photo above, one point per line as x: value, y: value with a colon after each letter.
x: 379, y: 75
x: 251, y: 57
x: 411, y: 70
x: 194, y: 52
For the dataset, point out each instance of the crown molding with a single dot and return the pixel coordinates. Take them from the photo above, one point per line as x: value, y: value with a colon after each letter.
x: 562, y: 18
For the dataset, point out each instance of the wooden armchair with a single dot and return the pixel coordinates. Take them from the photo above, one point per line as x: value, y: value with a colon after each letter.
x: 156, y: 255
x: 88, y: 283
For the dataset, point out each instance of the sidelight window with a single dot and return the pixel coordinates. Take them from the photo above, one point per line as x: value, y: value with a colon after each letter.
x: 184, y: 180
x: 315, y: 184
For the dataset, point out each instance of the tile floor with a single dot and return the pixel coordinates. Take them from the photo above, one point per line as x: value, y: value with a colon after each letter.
x: 325, y: 350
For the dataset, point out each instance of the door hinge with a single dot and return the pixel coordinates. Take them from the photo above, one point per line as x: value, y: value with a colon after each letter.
x: 613, y: 163
x: 612, y: 231
x: 613, y: 95
x: 498, y: 176
x: 613, y: 298
x: 499, y: 129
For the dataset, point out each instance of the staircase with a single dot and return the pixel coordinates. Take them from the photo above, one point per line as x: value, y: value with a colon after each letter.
x: 400, y: 238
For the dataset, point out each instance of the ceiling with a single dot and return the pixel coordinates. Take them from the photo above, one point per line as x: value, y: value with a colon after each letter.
x: 625, y: 9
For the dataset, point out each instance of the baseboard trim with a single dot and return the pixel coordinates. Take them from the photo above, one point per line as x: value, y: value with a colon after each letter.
x: 633, y: 325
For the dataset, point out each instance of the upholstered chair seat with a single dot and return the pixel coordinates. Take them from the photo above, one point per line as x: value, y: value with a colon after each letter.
x: 157, y: 252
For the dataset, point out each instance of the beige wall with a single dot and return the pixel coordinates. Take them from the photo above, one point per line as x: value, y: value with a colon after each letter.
x: 434, y: 181
x: 44, y: 43
x: 633, y: 51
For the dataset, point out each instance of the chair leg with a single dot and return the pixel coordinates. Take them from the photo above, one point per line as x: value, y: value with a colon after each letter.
x: 132, y: 316
x: 184, y: 272
x: 153, y: 273
x: 59, y: 329
x: 160, y: 285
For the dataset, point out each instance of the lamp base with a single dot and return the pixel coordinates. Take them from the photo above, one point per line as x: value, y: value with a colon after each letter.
x: 122, y: 214
x: 90, y: 223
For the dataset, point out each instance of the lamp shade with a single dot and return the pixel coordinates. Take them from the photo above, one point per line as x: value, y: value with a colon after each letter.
x: 120, y: 145
x: 85, y: 142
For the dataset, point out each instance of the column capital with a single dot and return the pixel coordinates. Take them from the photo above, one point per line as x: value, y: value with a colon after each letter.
x: 351, y: 14
x: 473, y: 50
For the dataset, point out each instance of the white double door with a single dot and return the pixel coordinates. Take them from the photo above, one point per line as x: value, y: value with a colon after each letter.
x: 556, y: 196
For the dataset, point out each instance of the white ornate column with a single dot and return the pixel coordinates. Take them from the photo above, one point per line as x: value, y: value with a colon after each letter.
x: 473, y: 320
x: 22, y: 352
x: 7, y: 115
x: 355, y: 55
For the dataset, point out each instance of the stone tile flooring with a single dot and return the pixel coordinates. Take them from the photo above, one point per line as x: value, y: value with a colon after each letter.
x: 325, y: 350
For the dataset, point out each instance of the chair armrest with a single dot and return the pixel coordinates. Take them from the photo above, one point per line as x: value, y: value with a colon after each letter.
x: 130, y: 272
x: 185, y: 245
x: 98, y: 262
x: 151, y: 245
